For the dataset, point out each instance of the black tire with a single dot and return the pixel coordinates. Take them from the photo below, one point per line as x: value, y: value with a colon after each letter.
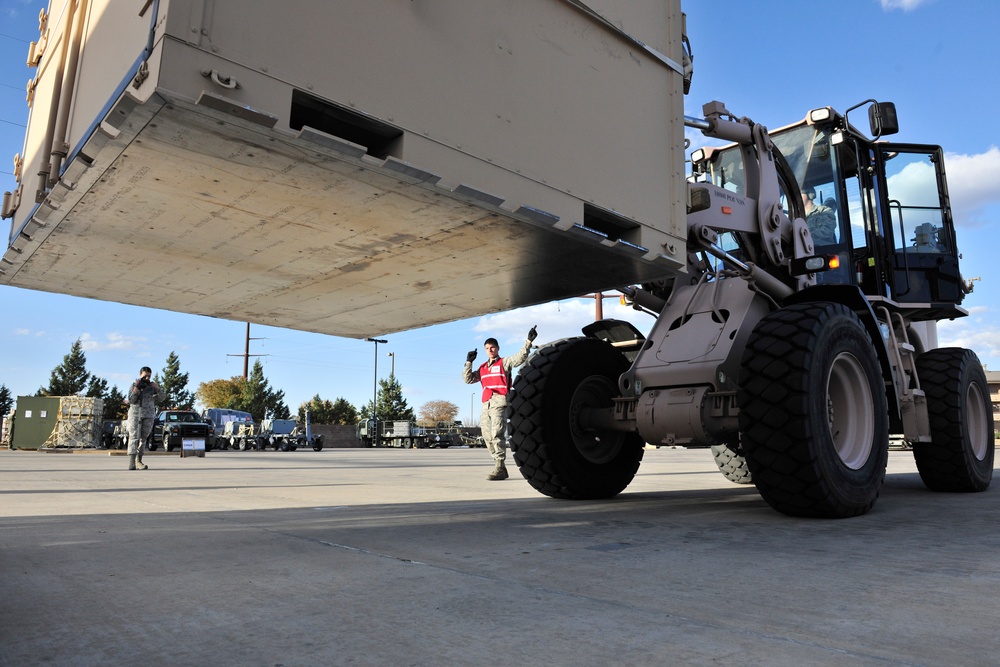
x: 242, y: 444
x: 960, y: 455
x: 813, y: 412
x: 732, y: 463
x: 283, y: 444
x: 554, y: 452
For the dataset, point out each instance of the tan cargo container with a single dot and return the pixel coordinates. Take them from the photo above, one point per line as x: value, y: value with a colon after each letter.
x: 351, y: 167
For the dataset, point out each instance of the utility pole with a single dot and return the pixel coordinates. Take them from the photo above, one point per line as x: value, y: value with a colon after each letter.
x: 375, y: 388
x: 599, y: 304
x: 246, y: 353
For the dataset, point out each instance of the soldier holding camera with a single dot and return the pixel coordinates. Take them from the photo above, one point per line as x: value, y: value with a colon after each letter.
x: 143, y: 396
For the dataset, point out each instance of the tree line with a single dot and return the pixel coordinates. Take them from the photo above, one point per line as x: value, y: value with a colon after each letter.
x: 252, y: 394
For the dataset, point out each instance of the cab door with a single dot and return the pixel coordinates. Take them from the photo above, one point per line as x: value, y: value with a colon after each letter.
x: 920, y: 233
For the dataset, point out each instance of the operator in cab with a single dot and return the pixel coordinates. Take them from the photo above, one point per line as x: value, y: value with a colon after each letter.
x: 820, y: 218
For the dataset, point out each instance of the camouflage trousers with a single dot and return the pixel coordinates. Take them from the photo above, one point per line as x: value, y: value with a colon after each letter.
x: 493, y: 425
x: 139, y: 429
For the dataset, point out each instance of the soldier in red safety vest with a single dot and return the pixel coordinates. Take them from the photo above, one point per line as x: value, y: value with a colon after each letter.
x: 495, y: 375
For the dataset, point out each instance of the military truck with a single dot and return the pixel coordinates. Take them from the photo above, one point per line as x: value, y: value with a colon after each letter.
x: 395, y: 433
x: 789, y: 347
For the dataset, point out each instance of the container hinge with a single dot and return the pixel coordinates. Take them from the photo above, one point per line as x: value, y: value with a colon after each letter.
x: 141, y: 75
x: 11, y: 200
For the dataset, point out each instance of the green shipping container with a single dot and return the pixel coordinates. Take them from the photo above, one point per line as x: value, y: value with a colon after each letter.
x: 35, y: 417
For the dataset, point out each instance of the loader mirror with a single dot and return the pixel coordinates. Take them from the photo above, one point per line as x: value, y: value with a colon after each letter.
x: 882, y: 118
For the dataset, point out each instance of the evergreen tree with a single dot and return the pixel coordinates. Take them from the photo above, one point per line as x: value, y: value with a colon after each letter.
x: 320, y: 411
x: 324, y: 412
x: 97, y: 387
x: 70, y: 378
x: 6, y: 400
x: 391, y: 404
x: 257, y: 397
x: 173, y: 384
x: 343, y: 412
x: 277, y: 407
x: 115, y: 407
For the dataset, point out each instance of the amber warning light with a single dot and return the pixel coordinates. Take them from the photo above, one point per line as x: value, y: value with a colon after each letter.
x: 814, y: 264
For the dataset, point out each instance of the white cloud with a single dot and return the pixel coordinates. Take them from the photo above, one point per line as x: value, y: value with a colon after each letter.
x: 556, y: 320
x: 113, y: 341
x: 973, y: 333
x: 22, y: 332
x: 973, y: 184
x: 905, y: 5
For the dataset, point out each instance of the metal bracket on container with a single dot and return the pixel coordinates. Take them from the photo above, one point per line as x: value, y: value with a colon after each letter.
x: 141, y: 75
x: 11, y: 200
x: 227, y: 82
x: 234, y: 108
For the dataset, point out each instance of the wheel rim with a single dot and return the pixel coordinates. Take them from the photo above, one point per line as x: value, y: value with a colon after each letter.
x: 850, y: 411
x: 595, y: 446
x: 975, y: 417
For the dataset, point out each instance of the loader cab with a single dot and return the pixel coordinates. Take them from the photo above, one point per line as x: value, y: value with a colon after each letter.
x: 897, y: 195
x: 892, y: 227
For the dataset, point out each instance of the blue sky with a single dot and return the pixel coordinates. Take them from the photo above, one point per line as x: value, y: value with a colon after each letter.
x: 771, y: 61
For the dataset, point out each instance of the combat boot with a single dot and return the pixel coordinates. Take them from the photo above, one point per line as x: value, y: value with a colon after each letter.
x: 131, y: 461
x: 139, y: 465
x: 500, y: 472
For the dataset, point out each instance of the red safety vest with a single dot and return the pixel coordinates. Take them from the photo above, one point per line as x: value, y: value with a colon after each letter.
x: 494, y: 379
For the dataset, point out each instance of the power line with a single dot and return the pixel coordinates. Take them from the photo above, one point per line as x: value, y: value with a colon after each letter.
x: 16, y: 39
x: 12, y: 123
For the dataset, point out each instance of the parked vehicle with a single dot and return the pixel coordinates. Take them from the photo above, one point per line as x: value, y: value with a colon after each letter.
x: 284, y: 434
x: 172, y: 427
x: 113, y: 434
x: 220, y: 417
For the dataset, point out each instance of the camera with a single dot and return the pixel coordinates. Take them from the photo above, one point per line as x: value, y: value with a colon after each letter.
x: 143, y: 383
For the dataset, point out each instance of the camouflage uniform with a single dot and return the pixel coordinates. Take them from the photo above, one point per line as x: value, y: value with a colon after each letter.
x: 822, y: 224
x: 492, y: 420
x: 141, y: 412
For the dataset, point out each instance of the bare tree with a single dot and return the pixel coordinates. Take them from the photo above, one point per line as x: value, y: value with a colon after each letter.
x: 433, y: 412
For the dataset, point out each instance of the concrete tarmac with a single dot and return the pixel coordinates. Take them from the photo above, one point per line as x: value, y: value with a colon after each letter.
x: 410, y: 557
